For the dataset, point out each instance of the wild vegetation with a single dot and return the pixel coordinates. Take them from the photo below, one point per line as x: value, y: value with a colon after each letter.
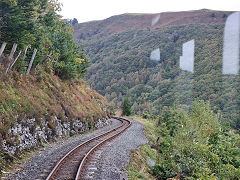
x: 192, y: 140
x: 42, y: 96
x: 121, y: 58
x: 190, y: 145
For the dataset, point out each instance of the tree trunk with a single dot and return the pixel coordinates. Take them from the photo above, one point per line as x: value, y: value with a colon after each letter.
x: 47, y: 58
x: 10, y: 58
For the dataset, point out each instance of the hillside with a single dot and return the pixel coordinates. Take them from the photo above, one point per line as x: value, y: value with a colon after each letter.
x: 120, y: 48
x: 125, y: 22
x: 43, y: 95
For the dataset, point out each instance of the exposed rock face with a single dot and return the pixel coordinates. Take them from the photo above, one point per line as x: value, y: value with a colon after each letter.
x: 28, y: 134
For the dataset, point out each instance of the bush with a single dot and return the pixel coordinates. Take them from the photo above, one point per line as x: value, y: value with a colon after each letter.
x: 194, y: 145
x: 146, y: 115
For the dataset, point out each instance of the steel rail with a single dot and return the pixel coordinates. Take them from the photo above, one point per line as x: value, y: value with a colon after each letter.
x: 66, y: 156
x: 83, y: 162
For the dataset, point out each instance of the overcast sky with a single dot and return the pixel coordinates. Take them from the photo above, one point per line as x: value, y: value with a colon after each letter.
x: 88, y: 10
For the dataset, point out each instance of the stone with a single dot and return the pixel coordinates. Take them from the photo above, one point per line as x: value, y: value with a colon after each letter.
x: 27, y: 134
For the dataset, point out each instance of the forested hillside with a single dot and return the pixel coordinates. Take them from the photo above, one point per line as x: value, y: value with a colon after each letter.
x: 120, y: 48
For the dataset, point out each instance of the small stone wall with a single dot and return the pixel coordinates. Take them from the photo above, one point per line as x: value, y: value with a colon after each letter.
x: 28, y: 134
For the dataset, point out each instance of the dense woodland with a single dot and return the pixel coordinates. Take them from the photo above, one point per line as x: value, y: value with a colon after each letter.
x: 121, y: 66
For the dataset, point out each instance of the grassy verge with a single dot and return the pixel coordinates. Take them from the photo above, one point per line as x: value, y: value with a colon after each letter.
x: 139, y: 166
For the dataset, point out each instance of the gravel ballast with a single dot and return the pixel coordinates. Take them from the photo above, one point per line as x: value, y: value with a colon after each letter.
x: 109, y: 162
x: 112, y: 158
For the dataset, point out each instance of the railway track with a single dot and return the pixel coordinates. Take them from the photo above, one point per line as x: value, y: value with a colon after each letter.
x: 71, y: 166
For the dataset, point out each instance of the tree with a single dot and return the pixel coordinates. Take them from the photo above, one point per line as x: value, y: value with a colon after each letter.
x: 74, y: 21
x: 126, y: 107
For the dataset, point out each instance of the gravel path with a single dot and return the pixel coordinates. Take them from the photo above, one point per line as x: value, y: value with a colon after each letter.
x: 41, y: 164
x: 111, y: 160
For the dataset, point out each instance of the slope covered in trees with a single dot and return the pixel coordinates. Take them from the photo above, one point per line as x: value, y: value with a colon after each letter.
x: 120, y: 48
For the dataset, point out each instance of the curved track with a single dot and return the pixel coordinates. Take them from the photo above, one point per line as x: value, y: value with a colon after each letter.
x: 72, y: 164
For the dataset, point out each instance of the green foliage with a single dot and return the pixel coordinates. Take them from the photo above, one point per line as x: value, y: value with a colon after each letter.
x: 146, y: 115
x: 90, y: 124
x: 138, y: 167
x: 194, y: 145
x: 126, y: 107
x: 112, y: 109
x: 38, y: 24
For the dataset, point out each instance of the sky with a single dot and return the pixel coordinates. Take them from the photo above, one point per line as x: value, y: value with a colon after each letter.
x: 89, y: 10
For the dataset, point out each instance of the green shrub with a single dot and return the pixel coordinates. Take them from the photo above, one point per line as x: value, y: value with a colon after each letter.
x: 146, y: 115
x: 194, y: 145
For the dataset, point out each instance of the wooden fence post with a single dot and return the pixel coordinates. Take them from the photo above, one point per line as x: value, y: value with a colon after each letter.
x: 13, y: 50
x: 2, y: 48
x: 47, y: 58
x: 15, y: 60
x: 25, y: 52
x: 10, y: 57
x: 11, y: 65
x: 31, y: 62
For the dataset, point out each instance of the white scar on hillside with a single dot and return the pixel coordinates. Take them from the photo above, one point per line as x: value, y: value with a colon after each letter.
x: 155, y: 19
